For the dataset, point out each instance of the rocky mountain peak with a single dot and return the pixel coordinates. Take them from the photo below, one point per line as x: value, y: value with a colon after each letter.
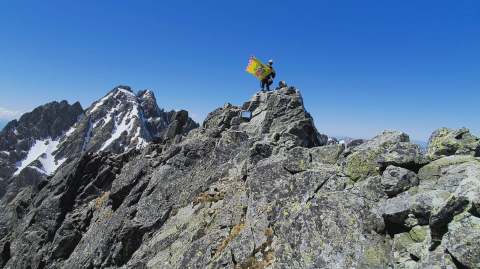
x: 49, y: 120
x: 277, y: 116
x: 249, y: 192
x: 36, y: 131
x: 119, y: 121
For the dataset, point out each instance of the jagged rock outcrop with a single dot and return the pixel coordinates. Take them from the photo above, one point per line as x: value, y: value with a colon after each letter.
x: 44, y: 123
x: 277, y: 116
x: 446, y: 142
x: 117, y: 122
x: 43, y: 139
x: 261, y: 193
x: 49, y: 120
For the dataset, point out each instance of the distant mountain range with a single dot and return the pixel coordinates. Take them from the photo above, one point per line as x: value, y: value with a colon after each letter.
x: 50, y: 134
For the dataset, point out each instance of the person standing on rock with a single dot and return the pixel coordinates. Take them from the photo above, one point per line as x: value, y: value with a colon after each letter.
x: 268, y: 80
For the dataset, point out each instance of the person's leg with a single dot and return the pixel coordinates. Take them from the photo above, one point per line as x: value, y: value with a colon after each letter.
x: 270, y: 82
x: 263, y: 84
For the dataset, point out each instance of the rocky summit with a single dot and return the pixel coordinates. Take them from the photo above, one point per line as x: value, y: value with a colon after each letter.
x: 262, y: 191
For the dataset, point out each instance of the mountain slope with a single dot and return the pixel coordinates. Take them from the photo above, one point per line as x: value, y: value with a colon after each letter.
x: 259, y: 193
x: 36, y: 145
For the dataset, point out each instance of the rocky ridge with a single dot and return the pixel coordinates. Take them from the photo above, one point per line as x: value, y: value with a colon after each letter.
x: 42, y: 140
x: 267, y: 192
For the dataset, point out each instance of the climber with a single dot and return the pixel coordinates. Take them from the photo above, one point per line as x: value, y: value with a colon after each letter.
x: 268, y: 79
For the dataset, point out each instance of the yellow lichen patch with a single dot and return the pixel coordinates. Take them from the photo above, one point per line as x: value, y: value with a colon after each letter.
x: 99, y: 200
x: 361, y: 165
x: 375, y: 256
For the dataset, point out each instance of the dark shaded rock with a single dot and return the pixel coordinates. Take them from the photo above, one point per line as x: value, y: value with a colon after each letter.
x: 396, y: 180
x: 260, y: 150
x: 47, y: 121
x: 443, y: 215
x: 403, y: 154
x: 156, y: 119
x: 332, y: 141
x: 181, y: 116
x: 175, y: 129
x: 5, y: 170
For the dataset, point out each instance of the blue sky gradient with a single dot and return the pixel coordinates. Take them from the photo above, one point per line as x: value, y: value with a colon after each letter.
x: 362, y: 66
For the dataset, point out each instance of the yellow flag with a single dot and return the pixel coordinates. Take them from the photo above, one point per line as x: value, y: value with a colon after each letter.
x: 257, y: 68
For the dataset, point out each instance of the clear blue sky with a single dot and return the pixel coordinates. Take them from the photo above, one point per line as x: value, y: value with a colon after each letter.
x: 362, y: 66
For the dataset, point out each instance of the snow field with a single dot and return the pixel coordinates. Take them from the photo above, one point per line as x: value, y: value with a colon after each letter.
x: 42, y: 150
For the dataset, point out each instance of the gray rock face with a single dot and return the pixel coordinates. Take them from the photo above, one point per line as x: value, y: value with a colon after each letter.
x: 396, y: 180
x: 156, y: 120
x: 277, y: 116
x: 250, y: 194
x: 179, y: 120
x: 44, y: 121
x: 366, y: 158
x: 463, y: 239
x: 445, y: 142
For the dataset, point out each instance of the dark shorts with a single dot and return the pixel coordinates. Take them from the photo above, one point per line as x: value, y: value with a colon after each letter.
x: 267, y: 82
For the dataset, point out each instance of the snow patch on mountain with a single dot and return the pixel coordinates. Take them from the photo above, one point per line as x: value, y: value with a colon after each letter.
x: 42, y: 150
x: 142, y: 142
x: 88, y: 135
x: 126, y: 125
